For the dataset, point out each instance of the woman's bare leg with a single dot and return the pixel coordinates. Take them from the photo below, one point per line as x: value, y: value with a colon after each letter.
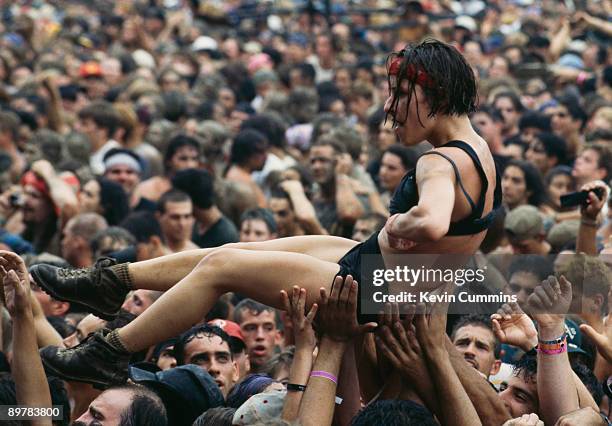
x: 163, y: 272
x: 260, y: 275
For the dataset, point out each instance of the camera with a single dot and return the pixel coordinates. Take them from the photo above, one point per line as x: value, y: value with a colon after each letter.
x: 580, y: 198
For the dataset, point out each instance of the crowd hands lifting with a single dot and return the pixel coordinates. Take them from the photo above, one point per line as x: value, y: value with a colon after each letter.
x: 405, y: 366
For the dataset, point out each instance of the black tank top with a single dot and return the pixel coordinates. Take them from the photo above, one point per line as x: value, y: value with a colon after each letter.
x: 406, y: 195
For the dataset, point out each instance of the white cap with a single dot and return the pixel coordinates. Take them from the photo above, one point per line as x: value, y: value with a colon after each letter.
x: 466, y: 22
x: 143, y: 59
x: 204, y: 43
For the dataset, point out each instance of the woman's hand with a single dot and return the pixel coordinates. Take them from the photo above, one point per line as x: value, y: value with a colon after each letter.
x: 303, y: 332
x: 338, y: 312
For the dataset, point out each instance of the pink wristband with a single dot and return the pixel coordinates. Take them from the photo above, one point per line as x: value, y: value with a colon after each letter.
x: 325, y: 375
x: 553, y: 351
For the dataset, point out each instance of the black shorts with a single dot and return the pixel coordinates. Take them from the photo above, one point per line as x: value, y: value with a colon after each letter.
x: 350, y: 264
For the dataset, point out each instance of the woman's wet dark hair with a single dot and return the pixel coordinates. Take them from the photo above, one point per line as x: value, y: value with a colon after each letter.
x: 446, y: 78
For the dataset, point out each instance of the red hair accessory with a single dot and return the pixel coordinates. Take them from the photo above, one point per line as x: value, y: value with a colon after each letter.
x: 412, y: 72
x: 32, y: 179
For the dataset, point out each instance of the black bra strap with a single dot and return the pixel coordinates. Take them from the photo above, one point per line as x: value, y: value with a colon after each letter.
x: 472, y: 204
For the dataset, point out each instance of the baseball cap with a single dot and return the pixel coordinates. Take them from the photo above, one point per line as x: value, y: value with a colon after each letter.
x: 563, y: 233
x: 233, y: 331
x: 261, y: 408
x: 574, y: 338
x: 524, y: 222
x: 466, y: 22
x: 186, y: 391
x: 204, y: 43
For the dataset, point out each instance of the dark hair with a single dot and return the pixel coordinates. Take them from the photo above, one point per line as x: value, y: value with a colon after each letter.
x: 514, y: 98
x: 269, y: 126
x: 408, y: 156
x: 394, y: 412
x: 142, y: 225
x: 493, y: 113
x: 554, y: 146
x: 451, y: 88
x: 250, y: 385
x: 559, y: 170
x: 256, y: 308
x: 535, y: 119
x: 198, y: 184
x: 171, y: 196
x: 324, y: 119
x: 160, y: 347
x: 246, y: 144
x: 103, y: 114
x: 188, y: 336
x: 307, y: 71
x: 259, y: 213
x: 176, y: 143
x: 216, y: 416
x: 146, y: 407
x: 604, y: 154
x: 526, y: 367
x: 113, y: 201
x: 483, y: 321
x: 116, y: 234
x: 123, y: 318
x: 533, y: 181
x: 540, y: 266
x: 60, y: 325
x: 574, y: 109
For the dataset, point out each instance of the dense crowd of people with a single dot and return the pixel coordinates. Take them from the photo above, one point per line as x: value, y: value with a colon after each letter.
x: 162, y: 162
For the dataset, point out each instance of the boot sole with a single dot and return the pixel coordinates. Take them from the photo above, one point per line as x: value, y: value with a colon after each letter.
x: 51, y: 292
x: 100, y: 385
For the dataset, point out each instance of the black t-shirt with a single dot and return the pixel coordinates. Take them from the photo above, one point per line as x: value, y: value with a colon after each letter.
x: 222, y: 232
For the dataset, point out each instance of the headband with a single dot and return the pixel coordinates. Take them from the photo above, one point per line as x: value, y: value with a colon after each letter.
x: 412, y: 72
x: 123, y: 159
x: 32, y: 179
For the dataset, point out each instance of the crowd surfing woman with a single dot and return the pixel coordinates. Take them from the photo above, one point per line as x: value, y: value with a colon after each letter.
x: 445, y: 205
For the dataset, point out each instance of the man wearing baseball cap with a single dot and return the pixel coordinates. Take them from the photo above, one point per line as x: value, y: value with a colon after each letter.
x: 525, y: 230
x: 237, y: 344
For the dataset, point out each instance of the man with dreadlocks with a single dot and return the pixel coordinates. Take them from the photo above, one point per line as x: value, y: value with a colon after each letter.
x: 432, y: 91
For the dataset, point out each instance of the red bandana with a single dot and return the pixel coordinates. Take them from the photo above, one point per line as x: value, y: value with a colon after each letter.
x: 422, y: 79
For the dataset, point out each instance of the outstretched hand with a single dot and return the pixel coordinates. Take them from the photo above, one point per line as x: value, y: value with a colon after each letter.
x: 337, y: 318
x: 16, y: 283
x: 303, y: 332
x: 514, y: 327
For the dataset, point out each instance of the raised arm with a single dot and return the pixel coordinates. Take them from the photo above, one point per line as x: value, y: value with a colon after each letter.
x: 30, y: 381
x: 305, y: 342
x: 557, y: 392
x: 61, y: 193
x: 431, y: 334
x: 337, y: 322
x: 304, y: 210
x: 349, y: 207
x: 586, y: 242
